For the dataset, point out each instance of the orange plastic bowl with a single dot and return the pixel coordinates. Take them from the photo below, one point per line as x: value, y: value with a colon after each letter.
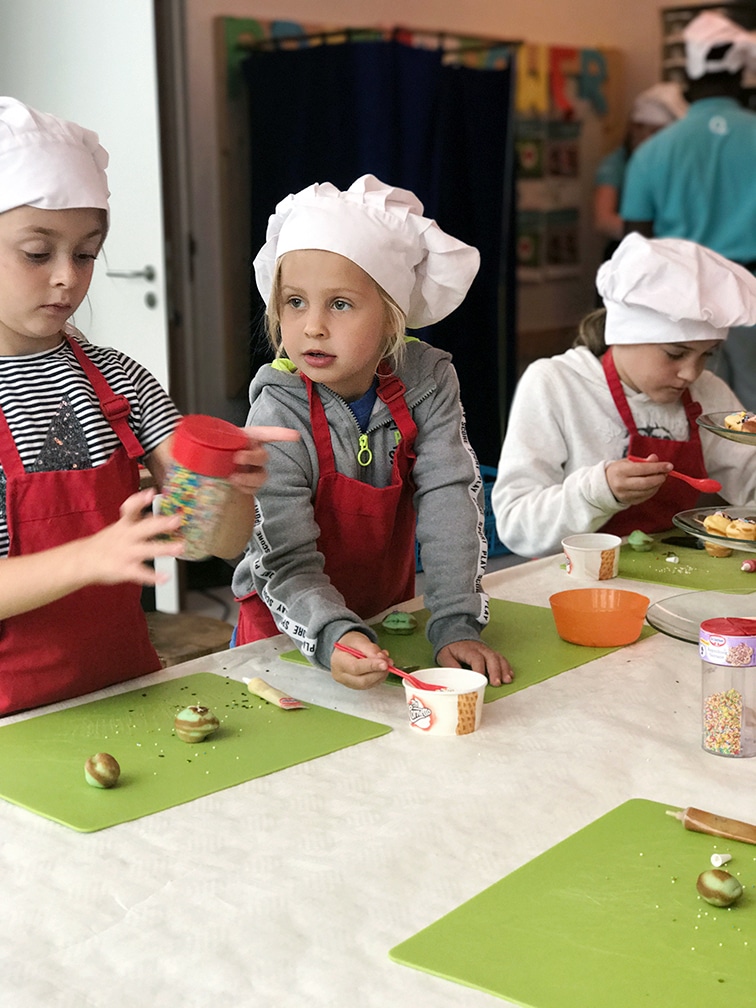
x: 599, y: 617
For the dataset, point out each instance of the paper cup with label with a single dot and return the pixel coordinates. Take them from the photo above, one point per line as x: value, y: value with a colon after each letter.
x: 592, y: 555
x: 455, y: 710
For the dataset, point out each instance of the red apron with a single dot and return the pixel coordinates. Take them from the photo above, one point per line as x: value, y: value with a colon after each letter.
x: 95, y: 636
x: 367, y: 534
x: 655, y: 514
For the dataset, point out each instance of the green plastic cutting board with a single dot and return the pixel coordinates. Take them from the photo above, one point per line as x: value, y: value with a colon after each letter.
x: 608, y: 917
x: 42, y: 759
x: 696, y: 569
x: 524, y: 633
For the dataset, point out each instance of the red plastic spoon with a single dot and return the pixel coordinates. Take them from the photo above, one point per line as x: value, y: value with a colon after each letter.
x: 412, y: 680
x: 704, y: 485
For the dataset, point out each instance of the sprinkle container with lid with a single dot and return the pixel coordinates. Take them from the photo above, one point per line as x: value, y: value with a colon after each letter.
x: 727, y: 646
x: 197, y: 485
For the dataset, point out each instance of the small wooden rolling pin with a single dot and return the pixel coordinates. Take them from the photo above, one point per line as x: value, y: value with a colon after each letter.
x: 715, y: 825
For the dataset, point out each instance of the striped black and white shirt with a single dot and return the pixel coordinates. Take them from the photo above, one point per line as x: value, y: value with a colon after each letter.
x: 55, y: 417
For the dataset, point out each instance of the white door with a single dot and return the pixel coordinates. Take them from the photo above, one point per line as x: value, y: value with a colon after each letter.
x: 93, y: 61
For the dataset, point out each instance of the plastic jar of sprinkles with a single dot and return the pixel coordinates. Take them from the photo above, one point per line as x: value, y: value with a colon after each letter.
x: 196, y: 485
x: 727, y: 646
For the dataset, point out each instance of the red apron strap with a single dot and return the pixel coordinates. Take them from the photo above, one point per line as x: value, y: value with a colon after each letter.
x: 615, y: 387
x: 391, y: 391
x: 693, y: 410
x: 320, y: 430
x: 9, y: 457
x: 115, y: 408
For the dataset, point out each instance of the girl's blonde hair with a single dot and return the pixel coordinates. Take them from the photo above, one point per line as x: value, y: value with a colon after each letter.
x: 591, y: 332
x: 396, y: 322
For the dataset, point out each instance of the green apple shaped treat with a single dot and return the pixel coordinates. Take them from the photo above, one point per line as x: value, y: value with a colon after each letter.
x: 399, y: 623
x: 639, y: 541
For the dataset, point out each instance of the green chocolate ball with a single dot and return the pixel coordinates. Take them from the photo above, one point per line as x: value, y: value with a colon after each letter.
x: 102, y: 770
x: 195, y: 723
x: 719, y: 887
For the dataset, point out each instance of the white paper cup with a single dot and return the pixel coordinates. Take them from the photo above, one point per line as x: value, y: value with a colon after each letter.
x: 455, y: 710
x: 593, y: 555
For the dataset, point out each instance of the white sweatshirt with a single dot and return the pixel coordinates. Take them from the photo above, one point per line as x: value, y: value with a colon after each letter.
x: 564, y: 429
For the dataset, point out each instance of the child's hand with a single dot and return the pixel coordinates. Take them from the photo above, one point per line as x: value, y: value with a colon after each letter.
x: 479, y: 657
x: 120, y: 551
x: 636, y: 482
x: 250, y: 472
x: 359, y: 673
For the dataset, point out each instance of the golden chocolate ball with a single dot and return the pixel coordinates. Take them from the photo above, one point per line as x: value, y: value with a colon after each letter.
x: 718, y: 887
x: 102, y: 770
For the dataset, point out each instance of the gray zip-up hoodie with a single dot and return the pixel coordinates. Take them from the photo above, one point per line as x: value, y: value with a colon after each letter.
x: 282, y: 561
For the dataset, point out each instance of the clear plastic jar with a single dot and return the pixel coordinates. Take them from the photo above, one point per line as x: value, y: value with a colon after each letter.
x: 196, y: 484
x: 727, y: 646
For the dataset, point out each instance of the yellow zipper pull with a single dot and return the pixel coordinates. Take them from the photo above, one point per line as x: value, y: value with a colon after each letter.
x: 364, y: 455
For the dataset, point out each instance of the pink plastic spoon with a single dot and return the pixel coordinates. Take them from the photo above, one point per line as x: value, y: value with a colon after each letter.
x: 704, y: 485
x: 412, y: 680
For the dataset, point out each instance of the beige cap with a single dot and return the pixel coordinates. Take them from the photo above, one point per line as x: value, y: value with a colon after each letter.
x: 659, y: 105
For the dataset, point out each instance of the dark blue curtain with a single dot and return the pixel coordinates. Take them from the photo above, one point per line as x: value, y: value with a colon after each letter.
x: 330, y: 113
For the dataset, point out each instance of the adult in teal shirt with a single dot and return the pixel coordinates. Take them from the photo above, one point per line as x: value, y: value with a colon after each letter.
x: 652, y: 110
x: 695, y: 179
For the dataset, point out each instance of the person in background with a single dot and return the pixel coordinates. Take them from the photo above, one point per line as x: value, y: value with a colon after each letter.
x: 653, y: 109
x: 383, y: 445
x: 632, y: 384
x: 75, y: 420
x: 694, y: 180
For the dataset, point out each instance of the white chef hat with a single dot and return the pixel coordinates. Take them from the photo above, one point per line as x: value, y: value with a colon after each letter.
x: 667, y: 290
x: 381, y: 229
x: 48, y: 162
x: 659, y: 105
x: 715, y: 44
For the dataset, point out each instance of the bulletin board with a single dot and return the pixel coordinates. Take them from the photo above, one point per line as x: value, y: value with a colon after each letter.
x: 567, y: 103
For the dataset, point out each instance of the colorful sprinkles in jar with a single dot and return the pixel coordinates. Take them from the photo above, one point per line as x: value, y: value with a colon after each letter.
x: 723, y: 718
x: 196, y: 485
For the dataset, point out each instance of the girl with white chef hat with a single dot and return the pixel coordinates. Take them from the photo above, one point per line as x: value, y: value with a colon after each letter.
x: 633, y: 383
x: 383, y: 452
x: 75, y: 419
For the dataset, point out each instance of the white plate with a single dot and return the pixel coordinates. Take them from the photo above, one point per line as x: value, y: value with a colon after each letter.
x: 692, y: 523
x: 681, y: 615
x: 714, y: 422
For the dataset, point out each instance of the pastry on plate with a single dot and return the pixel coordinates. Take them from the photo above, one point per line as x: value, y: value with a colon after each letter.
x: 717, y: 522
x: 741, y: 421
x: 741, y: 528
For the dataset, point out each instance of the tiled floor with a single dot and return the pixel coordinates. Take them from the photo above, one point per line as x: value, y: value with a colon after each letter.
x: 219, y: 602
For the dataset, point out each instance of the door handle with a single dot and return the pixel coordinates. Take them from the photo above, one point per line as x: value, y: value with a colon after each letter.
x: 148, y: 273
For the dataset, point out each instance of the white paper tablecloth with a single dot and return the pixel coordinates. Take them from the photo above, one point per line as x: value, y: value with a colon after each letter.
x: 289, y: 890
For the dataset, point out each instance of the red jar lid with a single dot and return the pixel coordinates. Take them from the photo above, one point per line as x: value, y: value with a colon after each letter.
x: 730, y: 626
x: 207, y: 445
